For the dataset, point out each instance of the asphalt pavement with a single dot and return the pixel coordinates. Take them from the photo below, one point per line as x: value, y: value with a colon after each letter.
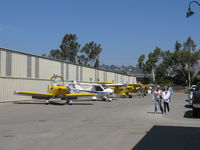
x: 123, y: 124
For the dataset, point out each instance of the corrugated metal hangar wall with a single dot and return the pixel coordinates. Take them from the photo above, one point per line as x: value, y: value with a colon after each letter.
x: 21, y: 71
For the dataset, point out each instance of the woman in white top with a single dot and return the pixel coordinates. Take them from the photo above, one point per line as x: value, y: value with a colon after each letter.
x: 166, y: 98
x: 157, y: 98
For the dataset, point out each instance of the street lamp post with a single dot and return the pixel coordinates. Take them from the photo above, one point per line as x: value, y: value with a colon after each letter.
x: 190, y: 12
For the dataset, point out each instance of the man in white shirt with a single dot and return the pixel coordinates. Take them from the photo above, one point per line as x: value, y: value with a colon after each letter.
x: 166, y: 98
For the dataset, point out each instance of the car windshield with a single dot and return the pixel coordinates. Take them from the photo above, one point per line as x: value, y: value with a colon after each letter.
x: 57, y: 80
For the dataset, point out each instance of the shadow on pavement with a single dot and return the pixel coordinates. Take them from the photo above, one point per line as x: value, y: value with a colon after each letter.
x: 51, y: 103
x: 28, y: 102
x: 189, y: 114
x: 154, y: 112
x: 41, y: 103
x: 170, y: 138
x: 82, y: 103
x: 188, y: 106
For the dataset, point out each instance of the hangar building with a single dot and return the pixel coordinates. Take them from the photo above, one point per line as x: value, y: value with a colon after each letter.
x: 22, y: 71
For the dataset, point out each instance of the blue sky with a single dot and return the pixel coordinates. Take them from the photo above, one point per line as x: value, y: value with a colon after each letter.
x: 125, y: 28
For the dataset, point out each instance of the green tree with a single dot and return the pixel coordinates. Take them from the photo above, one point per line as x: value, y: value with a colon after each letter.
x: 69, y: 48
x: 56, y: 54
x: 178, y: 46
x: 141, y: 63
x: 82, y: 59
x: 92, y: 51
x: 163, y: 69
x: 189, y: 48
x: 153, y: 60
x: 177, y: 65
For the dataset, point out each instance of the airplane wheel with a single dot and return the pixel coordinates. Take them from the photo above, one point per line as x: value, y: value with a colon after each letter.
x: 94, y: 98
x: 130, y: 96
x: 70, y: 102
x: 104, y: 99
x: 123, y: 96
x: 47, y: 102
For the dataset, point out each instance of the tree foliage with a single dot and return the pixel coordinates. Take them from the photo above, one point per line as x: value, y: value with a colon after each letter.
x: 70, y: 52
x: 69, y: 48
x: 177, y: 65
x: 91, y: 51
x: 56, y: 53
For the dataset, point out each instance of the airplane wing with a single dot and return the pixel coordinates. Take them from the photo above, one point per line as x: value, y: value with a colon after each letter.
x: 35, y: 94
x: 116, y: 85
x: 111, y: 84
x: 81, y: 94
x: 92, y: 93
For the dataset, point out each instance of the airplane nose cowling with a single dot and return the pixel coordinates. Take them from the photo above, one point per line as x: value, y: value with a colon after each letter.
x: 110, y: 91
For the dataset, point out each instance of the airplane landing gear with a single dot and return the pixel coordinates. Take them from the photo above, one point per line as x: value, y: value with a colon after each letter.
x: 47, y: 102
x: 104, y: 98
x: 123, y: 96
x: 130, y: 96
x: 94, y: 98
x: 109, y: 99
x: 69, y: 102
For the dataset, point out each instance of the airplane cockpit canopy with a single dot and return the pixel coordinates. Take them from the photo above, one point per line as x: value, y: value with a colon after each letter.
x: 104, y: 86
x: 57, y: 80
x: 98, y: 88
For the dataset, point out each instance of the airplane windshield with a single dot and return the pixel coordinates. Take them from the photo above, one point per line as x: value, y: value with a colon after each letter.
x: 104, y: 86
x: 98, y: 88
x: 57, y: 81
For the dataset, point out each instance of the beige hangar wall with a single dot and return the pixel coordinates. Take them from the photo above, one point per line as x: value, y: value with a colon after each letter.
x: 21, y: 71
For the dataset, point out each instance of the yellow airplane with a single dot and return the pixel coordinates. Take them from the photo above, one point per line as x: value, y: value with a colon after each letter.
x: 145, y: 87
x: 124, y: 89
x: 55, y: 90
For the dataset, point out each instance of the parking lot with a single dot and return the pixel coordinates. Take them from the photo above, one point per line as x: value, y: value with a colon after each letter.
x: 123, y: 124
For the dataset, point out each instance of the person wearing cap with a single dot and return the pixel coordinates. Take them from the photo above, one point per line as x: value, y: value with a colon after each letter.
x: 157, y: 95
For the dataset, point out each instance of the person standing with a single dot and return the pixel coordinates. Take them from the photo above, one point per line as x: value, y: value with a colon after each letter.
x: 166, y: 98
x: 157, y: 99
x: 171, y: 93
x: 142, y: 92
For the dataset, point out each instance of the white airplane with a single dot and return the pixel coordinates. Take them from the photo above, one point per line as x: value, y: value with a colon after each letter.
x: 101, y: 90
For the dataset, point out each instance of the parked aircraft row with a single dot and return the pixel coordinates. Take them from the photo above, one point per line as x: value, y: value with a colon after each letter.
x: 103, y: 90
